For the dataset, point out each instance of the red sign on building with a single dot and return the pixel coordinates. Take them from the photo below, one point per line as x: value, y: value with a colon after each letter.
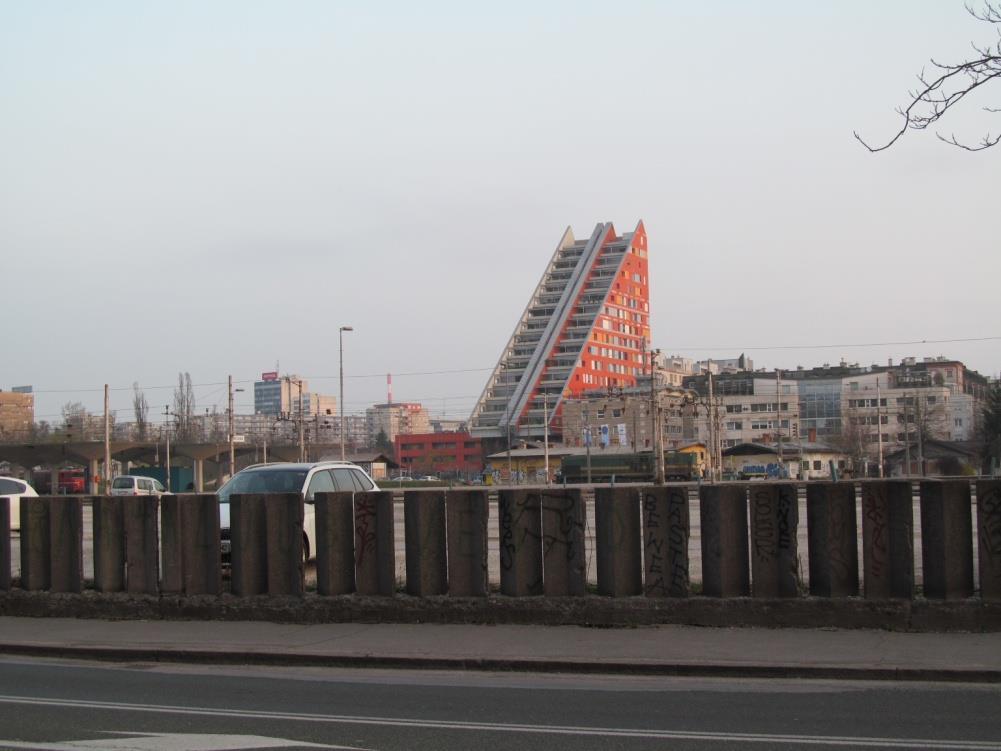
x: 270, y: 376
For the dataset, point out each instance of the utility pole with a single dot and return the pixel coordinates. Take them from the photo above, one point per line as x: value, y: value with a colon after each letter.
x: 710, y: 418
x: 545, y: 430
x: 907, y: 436
x: 340, y: 406
x: 166, y: 426
x: 879, y: 428
x: 302, y: 425
x: 107, y: 444
x: 232, y: 447
x: 778, y: 421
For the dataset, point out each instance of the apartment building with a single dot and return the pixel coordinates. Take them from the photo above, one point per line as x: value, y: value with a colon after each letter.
x: 586, y: 326
x: 394, y: 418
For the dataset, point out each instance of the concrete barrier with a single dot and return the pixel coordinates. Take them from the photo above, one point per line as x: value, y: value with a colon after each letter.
x: 375, y: 551
x: 5, y: 548
x: 36, y: 543
x: 424, y: 543
x: 335, y: 547
x: 283, y: 520
x: 109, y: 543
x: 248, y: 545
x: 832, y: 539
x: 192, y: 558
x: 666, y: 531
x: 947, y: 539
x: 888, y: 539
x: 142, y: 545
x: 774, y: 550
x: 617, y: 542
x: 989, y: 538
x: 725, y: 569
x: 519, y: 522
x: 564, y: 568
x: 66, y: 536
x: 466, y: 515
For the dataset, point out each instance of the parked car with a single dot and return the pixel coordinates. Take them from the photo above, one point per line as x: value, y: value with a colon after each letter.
x: 13, y: 488
x: 307, y: 479
x: 136, y: 485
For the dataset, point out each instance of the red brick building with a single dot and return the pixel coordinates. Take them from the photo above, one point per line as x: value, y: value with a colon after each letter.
x: 446, y: 454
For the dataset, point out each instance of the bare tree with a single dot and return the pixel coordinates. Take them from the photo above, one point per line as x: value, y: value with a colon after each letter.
x: 950, y: 83
x: 141, y: 409
x: 184, y: 407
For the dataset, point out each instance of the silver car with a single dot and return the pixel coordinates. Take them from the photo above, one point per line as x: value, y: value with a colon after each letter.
x: 288, y: 477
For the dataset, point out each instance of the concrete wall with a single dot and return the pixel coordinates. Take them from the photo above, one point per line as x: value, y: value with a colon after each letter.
x: 747, y: 544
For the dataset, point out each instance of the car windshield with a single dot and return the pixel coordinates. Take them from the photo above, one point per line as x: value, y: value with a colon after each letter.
x: 264, y: 480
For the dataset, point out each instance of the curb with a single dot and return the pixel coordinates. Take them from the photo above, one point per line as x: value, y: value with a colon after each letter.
x: 931, y: 616
x: 511, y: 665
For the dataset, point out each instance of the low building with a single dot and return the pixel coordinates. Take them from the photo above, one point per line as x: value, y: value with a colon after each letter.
x: 809, y: 461
x: 454, y: 454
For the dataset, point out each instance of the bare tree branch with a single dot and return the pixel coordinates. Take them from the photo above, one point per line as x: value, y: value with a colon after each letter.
x: 937, y: 96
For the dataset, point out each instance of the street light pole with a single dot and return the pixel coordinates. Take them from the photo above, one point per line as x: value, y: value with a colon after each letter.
x: 340, y: 342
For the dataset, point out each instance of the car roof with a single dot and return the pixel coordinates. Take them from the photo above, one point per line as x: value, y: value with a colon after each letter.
x: 300, y: 465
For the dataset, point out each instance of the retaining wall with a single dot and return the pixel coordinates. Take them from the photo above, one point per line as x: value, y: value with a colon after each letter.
x: 747, y: 551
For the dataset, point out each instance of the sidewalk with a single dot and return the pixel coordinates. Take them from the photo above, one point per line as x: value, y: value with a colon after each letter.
x: 651, y: 650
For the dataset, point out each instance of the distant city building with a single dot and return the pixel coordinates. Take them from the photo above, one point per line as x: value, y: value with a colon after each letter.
x: 734, y: 365
x: 394, y: 418
x: 279, y: 396
x: 585, y: 327
x: 17, y: 413
x: 448, y: 426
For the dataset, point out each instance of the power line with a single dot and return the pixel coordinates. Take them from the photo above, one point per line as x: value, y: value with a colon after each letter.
x: 845, y: 346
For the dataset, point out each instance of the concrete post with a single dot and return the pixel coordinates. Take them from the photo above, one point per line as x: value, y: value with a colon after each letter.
x: 172, y: 576
x: 563, y: 563
x: 947, y: 539
x: 617, y: 541
x: 375, y: 550
x: 283, y: 521
x: 249, y: 545
x: 989, y: 538
x: 36, y: 544
x: 198, y: 465
x: 774, y: 550
x: 467, y: 512
x: 142, y: 546
x: 335, y: 549
x: 66, y: 536
x: 888, y: 539
x: 109, y: 543
x: 5, y: 547
x: 200, y: 548
x: 519, y: 522
x: 424, y: 535
x: 666, y: 531
x: 833, y: 539
x: 725, y: 569
x: 94, y: 473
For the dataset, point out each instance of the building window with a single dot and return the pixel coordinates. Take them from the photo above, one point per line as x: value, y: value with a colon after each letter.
x: 816, y: 464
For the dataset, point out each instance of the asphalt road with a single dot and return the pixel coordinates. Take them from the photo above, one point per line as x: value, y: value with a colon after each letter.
x: 66, y: 705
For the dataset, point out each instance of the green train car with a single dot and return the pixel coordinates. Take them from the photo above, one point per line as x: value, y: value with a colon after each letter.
x: 678, y: 467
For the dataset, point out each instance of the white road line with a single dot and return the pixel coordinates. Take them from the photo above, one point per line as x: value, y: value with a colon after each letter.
x: 409, y: 722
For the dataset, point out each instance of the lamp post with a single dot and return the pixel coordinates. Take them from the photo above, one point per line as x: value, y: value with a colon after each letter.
x: 340, y: 342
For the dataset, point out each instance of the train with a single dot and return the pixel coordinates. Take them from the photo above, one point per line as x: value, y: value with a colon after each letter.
x: 627, y: 467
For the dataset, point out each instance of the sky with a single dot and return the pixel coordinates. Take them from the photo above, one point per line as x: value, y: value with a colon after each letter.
x: 215, y: 188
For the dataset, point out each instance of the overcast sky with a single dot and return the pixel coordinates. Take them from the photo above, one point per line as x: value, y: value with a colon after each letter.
x: 217, y: 187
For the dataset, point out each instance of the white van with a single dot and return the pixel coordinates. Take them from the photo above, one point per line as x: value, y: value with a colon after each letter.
x: 136, y: 485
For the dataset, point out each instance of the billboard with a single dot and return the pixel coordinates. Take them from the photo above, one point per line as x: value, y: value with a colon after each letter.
x: 270, y: 376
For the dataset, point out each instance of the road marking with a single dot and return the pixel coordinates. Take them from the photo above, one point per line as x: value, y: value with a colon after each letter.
x: 411, y: 722
x: 172, y: 742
